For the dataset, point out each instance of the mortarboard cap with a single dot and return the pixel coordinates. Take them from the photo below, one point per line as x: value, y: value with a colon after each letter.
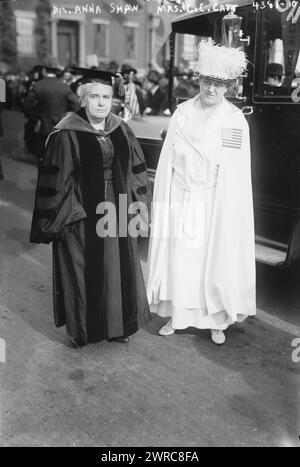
x: 90, y: 75
x: 94, y: 75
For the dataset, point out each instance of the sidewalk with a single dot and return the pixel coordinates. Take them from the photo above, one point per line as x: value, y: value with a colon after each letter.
x: 180, y: 390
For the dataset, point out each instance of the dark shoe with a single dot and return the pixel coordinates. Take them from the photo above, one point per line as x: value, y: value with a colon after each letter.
x: 75, y: 342
x: 121, y: 339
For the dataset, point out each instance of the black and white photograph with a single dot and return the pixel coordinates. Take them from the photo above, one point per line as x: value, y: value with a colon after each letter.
x: 149, y: 226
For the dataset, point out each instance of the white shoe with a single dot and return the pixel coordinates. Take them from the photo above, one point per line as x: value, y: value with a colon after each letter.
x: 167, y: 329
x: 217, y: 336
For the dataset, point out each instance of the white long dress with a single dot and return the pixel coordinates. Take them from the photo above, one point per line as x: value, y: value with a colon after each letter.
x: 182, y: 260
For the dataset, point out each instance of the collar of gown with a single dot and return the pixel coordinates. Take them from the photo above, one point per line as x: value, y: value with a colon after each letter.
x: 78, y: 121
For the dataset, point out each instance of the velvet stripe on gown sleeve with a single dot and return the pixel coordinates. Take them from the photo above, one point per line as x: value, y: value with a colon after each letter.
x: 140, y: 183
x: 56, y: 202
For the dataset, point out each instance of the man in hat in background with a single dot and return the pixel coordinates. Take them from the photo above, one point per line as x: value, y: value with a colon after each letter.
x: 93, y: 160
x: 201, y: 263
x: 31, y: 119
x: 66, y: 76
x: 274, y: 74
x: 133, y: 100
x: 155, y: 96
x: 47, y: 101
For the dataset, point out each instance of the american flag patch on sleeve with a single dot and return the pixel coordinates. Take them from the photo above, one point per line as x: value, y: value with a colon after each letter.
x: 232, y: 138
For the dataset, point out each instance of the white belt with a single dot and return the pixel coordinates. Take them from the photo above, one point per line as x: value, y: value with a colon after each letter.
x: 191, y: 230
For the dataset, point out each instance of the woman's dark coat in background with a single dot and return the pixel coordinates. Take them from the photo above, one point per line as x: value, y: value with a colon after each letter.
x: 99, y: 289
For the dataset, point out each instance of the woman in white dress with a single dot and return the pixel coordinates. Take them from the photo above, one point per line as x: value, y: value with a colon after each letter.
x: 201, y: 263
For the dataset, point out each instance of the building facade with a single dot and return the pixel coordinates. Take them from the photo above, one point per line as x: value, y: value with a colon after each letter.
x: 86, y: 33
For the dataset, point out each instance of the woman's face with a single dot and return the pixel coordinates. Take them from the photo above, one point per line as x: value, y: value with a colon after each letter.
x: 98, y: 101
x: 211, y: 92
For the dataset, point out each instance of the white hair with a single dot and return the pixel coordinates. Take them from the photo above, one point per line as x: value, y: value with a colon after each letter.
x: 84, y: 90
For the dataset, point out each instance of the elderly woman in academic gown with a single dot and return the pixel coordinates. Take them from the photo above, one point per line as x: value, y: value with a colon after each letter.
x: 201, y: 264
x: 92, y: 157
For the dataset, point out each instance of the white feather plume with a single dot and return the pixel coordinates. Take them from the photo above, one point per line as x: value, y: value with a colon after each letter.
x: 221, y: 62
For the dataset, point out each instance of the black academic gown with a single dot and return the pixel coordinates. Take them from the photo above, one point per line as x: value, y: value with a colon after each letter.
x: 70, y: 187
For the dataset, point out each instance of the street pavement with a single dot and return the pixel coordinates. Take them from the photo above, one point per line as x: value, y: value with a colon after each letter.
x: 180, y: 390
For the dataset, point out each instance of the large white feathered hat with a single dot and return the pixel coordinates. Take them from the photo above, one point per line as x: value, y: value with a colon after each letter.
x: 220, y: 63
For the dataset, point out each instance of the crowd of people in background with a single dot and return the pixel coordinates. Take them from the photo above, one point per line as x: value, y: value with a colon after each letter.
x: 144, y: 94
